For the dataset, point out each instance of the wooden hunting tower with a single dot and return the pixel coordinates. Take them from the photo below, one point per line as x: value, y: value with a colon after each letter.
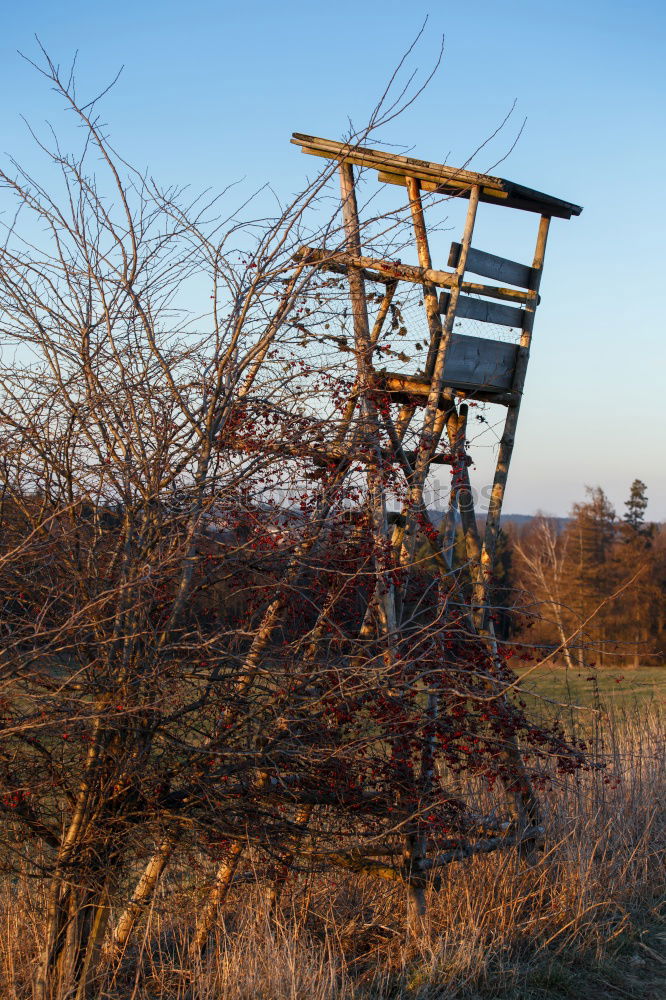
x: 458, y: 367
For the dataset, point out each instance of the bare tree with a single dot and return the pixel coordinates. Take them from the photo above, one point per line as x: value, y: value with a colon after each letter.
x: 200, y: 647
x: 543, y: 558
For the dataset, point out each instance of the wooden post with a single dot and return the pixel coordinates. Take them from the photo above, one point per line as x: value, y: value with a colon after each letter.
x: 482, y: 586
x: 463, y: 489
x: 364, y: 349
x: 433, y: 402
x: 430, y: 298
x: 374, y: 337
x: 431, y: 426
x: 217, y: 895
x: 355, y: 278
x: 143, y: 891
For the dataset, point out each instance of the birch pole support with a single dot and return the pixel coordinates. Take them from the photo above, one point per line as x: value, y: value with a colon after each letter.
x: 431, y: 302
x: 441, y: 333
x: 463, y: 490
x: 143, y: 892
x: 427, y: 441
x: 216, y: 896
x: 430, y: 297
x: 364, y: 349
x: 491, y: 534
x: 374, y: 337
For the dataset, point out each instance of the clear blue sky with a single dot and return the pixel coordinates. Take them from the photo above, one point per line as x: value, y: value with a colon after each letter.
x: 212, y: 91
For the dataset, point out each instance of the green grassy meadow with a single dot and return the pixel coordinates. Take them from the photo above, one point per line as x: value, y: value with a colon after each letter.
x: 619, y: 688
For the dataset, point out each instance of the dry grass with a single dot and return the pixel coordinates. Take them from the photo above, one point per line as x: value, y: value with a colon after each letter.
x: 585, y: 920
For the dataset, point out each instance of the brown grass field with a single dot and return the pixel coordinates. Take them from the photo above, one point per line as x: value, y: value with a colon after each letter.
x: 586, y: 920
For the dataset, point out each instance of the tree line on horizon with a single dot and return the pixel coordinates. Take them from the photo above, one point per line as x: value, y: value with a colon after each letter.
x: 592, y: 586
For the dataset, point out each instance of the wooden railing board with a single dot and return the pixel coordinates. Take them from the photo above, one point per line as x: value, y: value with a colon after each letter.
x: 489, y: 265
x: 484, y: 311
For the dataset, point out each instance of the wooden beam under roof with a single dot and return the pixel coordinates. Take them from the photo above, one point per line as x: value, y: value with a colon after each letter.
x: 439, y: 177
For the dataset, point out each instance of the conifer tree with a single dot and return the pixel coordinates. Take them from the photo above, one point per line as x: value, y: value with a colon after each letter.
x: 641, y: 598
x: 636, y: 507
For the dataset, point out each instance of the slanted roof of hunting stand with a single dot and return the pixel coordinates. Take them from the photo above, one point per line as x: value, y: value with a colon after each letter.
x: 393, y: 169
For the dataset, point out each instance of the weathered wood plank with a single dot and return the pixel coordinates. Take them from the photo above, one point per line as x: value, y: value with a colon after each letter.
x: 450, y: 187
x: 484, y: 312
x: 477, y: 363
x: 473, y: 364
x: 489, y: 265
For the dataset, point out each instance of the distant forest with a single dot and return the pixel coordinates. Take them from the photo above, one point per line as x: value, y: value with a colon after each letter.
x: 592, y: 584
